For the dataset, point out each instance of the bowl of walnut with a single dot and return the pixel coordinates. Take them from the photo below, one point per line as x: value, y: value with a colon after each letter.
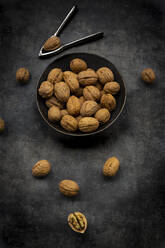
x: 80, y: 94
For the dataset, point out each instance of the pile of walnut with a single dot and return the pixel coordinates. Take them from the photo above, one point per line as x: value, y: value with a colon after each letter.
x: 81, y: 98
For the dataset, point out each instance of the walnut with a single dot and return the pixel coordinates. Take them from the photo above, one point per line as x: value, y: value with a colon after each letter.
x: 105, y: 75
x: 68, y: 187
x: 102, y: 115
x: 69, y: 123
x: 53, y: 101
x: 82, y: 100
x: 112, y: 88
x: 89, y: 108
x: 73, y: 106
x: 2, y: 125
x: 64, y: 112
x: 22, y: 75
x: 71, y: 79
x: 111, y: 167
x: 55, y: 76
x: 87, y: 77
x: 77, y: 221
x: 46, y: 89
x: 91, y: 93
x: 108, y: 101
x: 77, y: 65
x: 41, y: 168
x: 62, y: 91
x: 52, y: 43
x: 88, y: 124
x: 79, y: 92
x: 54, y: 114
x: 148, y: 75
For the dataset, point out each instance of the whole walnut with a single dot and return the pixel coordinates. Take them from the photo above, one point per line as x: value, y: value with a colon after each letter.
x: 89, y: 108
x: 55, y: 76
x: 54, y: 114
x: 68, y: 187
x: 77, y: 221
x: 102, y: 115
x: 71, y: 79
x: 73, y: 105
x: 87, y: 77
x: 41, y: 168
x: 2, y: 125
x: 88, y: 124
x: 53, y: 101
x: 46, y: 89
x: 52, y: 43
x: 69, y: 123
x: 91, y: 93
x: 22, y: 75
x: 112, y: 88
x: 77, y: 65
x: 105, y: 75
x: 148, y: 75
x: 82, y: 100
x: 108, y: 101
x: 111, y: 167
x: 79, y: 92
x: 62, y: 91
x: 64, y: 112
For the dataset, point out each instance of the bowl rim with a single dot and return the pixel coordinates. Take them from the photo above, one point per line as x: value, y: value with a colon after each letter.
x: 80, y: 134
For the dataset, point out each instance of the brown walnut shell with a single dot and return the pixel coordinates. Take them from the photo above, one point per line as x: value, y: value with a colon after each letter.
x: 111, y: 88
x: 41, y: 168
x: 55, y: 76
x: 108, y: 101
x: 111, y: 167
x: 52, y: 43
x: 102, y: 115
x: 64, y: 112
x: 148, y: 75
x: 88, y: 124
x: 78, y: 222
x: 88, y: 77
x: 68, y: 187
x: 53, y: 101
x: 54, y: 114
x: 73, y: 105
x: 22, y: 75
x: 69, y: 123
x: 62, y: 91
x: 91, y: 93
x: 46, y: 89
x: 105, y: 75
x: 72, y: 81
x: 89, y: 108
x: 77, y: 65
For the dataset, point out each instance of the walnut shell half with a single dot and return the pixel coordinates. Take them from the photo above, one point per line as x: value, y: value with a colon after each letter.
x: 78, y: 222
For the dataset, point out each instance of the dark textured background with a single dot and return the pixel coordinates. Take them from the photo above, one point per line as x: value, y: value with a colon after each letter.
x: 126, y: 211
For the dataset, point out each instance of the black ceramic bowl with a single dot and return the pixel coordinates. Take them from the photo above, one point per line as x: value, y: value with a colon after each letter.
x: 94, y: 62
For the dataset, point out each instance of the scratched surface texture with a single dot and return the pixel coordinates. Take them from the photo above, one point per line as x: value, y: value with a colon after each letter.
x: 126, y: 211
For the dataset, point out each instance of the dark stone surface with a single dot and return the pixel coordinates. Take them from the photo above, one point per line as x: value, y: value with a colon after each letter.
x: 126, y: 211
